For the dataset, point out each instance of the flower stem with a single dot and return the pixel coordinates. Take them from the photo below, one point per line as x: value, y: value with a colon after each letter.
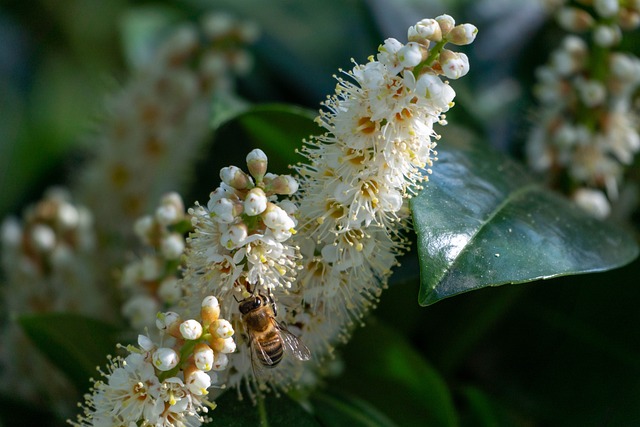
x: 434, y: 52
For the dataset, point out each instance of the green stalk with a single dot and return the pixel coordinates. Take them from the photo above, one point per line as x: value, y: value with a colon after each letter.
x: 434, y: 53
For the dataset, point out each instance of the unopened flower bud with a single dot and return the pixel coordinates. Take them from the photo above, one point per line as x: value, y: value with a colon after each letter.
x: 223, y: 345
x: 574, y: 19
x: 191, y: 329
x: 220, y: 362
x: 234, y: 236
x: 625, y: 68
x: 234, y: 177
x: 409, y: 56
x: 446, y: 23
x: 210, y: 310
x: 228, y: 345
x: 276, y: 218
x: 256, y: 202
x: 203, y: 357
x: 454, y: 64
x: 257, y: 164
x: 462, y: 34
x: 426, y: 29
x: 629, y: 19
x: 67, y: 216
x: 167, y: 321
x: 165, y: 359
x: 592, y: 93
x: 607, y: 35
x: 606, y: 8
x: 43, y: 238
x: 143, y: 226
x: 221, y: 328
x: 593, y: 201
x: 225, y: 210
x: 172, y: 246
x: 169, y: 290
x: 283, y: 184
x: 171, y: 209
x: 198, y: 382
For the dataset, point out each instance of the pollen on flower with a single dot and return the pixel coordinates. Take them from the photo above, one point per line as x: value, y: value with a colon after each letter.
x: 152, y: 386
x: 379, y: 136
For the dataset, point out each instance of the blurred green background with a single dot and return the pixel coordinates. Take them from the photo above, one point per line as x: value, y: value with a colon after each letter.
x: 562, y: 352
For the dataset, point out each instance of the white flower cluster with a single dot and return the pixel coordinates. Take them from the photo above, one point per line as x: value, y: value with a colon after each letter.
x: 166, y: 383
x: 153, y: 126
x: 379, y: 139
x: 47, y: 259
x: 587, y: 130
x: 239, y: 237
x: 606, y: 24
x: 151, y: 283
x: 239, y: 244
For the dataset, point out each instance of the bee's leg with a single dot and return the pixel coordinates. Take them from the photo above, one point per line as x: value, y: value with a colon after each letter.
x: 273, y: 304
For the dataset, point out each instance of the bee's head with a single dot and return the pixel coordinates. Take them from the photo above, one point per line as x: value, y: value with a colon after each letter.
x: 251, y: 303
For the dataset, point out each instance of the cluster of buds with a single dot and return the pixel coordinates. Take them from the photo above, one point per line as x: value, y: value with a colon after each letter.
x: 149, y: 137
x: 605, y: 19
x: 47, y: 250
x: 48, y: 266
x: 426, y: 46
x: 240, y: 246
x: 239, y: 238
x: 151, y: 283
x: 587, y: 129
x: 164, y: 384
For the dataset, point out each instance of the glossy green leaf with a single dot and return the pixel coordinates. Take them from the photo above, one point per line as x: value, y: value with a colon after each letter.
x: 482, y: 221
x: 339, y: 409
x: 276, y: 128
x: 76, y: 344
x: 270, y: 411
x: 386, y: 371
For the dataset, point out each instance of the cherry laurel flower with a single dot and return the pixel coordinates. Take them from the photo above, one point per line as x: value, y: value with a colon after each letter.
x: 48, y: 263
x: 151, y: 282
x: 377, y: 150
x: 162, y: 384
x: 587, y: 128
x: 153, y: 126
x: 240, y: 245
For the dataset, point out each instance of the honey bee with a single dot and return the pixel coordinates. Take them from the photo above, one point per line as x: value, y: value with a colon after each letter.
x: 268, y: 338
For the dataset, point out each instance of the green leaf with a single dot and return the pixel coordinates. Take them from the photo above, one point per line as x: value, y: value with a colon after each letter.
x: 383, y: 369
x: 340, y: 409
x: 29, y: 414
x: 269, y: 411
x: 481, y: 411
x: 276, y: 128
x: 482, y: 221
x: 76, y: 344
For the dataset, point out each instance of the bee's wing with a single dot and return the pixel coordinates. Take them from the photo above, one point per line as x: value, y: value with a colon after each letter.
x: 293, y: 343
x: 257, y: 348
x: 256, y: 365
